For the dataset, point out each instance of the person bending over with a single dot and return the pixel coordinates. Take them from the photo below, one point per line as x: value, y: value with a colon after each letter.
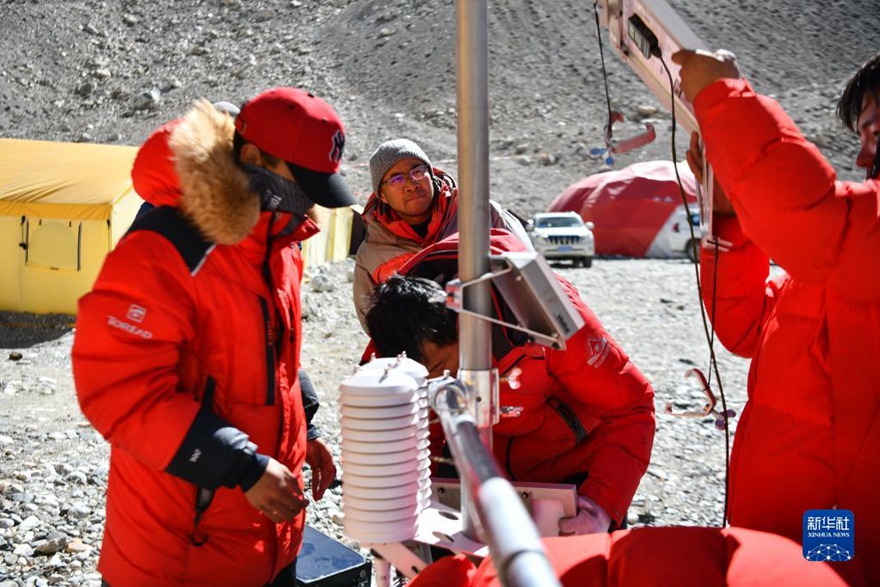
x: 586, y: 413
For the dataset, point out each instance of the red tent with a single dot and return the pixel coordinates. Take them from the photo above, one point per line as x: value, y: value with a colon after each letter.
x: 634, y: 208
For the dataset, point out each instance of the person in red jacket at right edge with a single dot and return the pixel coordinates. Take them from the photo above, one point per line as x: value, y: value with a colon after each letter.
x: 809, y: 437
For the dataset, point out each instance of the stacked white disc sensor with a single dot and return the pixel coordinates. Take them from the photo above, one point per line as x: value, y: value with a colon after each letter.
x: 385, y: 458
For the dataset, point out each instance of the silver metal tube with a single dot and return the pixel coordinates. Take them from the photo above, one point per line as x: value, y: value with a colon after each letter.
x: 473, y: 174
x: 481, y: 386
x: 473, y: 216
x: 505, y: 524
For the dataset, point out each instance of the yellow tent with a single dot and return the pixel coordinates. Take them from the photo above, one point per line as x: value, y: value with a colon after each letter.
x: 63, y: 206
x: 333, y: 243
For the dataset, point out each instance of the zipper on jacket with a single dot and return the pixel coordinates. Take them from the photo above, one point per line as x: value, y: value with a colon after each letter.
x: 270, y: 353
x: 273, y: 340
x: 569, y: 417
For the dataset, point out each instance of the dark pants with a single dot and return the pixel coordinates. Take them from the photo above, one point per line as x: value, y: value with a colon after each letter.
x: 286, y: 578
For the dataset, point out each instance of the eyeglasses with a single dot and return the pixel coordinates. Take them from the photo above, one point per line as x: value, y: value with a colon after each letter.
x: 398, y: 180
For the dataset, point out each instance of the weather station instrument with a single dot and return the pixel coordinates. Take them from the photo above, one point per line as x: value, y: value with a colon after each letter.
x: 401, y: 517
x: 645, y: 34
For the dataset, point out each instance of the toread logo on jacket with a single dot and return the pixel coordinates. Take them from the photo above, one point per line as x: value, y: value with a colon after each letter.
x: 598, y: 352
x: 115, y: 322
x: 136, y: 313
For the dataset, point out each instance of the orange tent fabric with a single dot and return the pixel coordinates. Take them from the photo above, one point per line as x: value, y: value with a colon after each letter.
x: 631, y: 206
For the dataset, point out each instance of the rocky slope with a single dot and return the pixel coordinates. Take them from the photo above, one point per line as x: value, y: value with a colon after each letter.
x: 92, y: 70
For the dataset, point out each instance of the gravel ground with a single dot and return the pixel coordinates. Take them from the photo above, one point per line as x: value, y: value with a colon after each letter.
x: 54, y: 466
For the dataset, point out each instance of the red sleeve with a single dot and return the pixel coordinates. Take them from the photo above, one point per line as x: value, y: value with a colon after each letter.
x: 126, y: 350
x: 736, y: 293
x: 605, y: 385
x: 450, y: 571
x: 785, y: 193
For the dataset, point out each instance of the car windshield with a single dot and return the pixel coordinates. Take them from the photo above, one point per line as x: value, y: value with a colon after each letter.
x: 558, y: 222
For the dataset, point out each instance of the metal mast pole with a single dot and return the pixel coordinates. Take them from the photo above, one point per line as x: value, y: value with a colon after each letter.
x: 473, y: 221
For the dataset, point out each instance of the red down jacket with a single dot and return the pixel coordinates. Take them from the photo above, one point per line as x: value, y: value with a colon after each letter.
x: 658, y: 557
x: 587, y: 412
x: 810, y: 434
x: 185, y: 359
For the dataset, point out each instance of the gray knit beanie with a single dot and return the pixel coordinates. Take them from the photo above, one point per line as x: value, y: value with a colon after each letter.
x: 389, y: 154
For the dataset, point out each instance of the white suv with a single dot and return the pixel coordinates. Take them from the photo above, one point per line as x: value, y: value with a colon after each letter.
x: 678, y: 234
x: 563, y: 235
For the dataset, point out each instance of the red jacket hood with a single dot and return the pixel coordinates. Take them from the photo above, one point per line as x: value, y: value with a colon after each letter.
x: 153, y: 174
x: 188, y: 163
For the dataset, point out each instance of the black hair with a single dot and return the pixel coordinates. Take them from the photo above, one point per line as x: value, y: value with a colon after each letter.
x: 866, y: 79
x: 405, y: 313
x: 239, y: 141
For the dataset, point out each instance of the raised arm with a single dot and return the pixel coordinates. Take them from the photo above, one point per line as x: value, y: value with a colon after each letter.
x: 785, y: 193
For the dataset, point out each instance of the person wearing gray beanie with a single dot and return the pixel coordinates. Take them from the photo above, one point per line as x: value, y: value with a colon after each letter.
x: 403, y: 182
x: 413, y: 205
x: 389, y: 154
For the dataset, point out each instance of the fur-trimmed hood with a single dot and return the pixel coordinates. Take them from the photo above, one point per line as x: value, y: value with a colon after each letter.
x: 189, y: 163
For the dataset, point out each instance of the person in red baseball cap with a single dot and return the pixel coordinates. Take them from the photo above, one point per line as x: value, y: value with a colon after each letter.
x: 187, y: 352
x: 301, y: 138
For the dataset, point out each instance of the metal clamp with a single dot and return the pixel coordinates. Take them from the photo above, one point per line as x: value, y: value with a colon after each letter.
x: 621, y: 146
x: 721, y: 418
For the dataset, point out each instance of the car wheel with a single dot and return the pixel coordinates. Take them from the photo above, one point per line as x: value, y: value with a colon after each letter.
x: 693, y: 250
x: 586, y: 262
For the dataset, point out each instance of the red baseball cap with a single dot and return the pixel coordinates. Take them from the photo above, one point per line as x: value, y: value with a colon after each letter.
x: 306, y: 133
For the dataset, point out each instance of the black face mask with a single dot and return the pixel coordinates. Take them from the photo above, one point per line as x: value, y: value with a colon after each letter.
x: 874, y: 171
x: 277, y: 194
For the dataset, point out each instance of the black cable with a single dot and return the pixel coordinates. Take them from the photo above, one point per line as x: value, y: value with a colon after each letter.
x: 710, y: 334
x: 710, y: 338
x: 602, y: 57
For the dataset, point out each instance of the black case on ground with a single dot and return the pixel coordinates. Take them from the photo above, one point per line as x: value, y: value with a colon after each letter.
x: 326, y: 562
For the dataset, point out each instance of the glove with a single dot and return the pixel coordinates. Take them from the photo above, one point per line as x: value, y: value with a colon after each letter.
x: 590, y: 519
